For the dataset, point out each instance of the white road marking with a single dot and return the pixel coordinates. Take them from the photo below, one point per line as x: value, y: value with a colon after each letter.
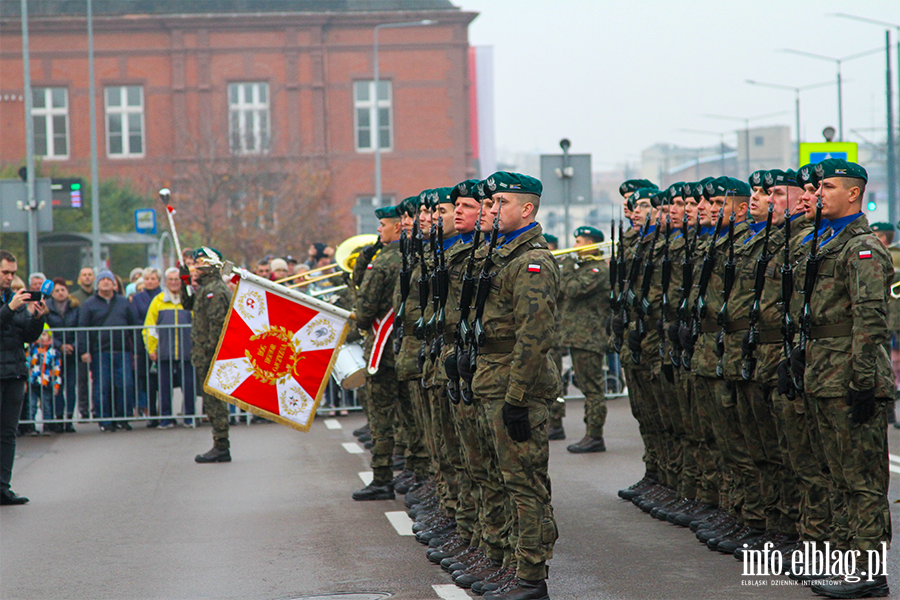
x: 451, y: 592
x: 401, y: 522
x: 352, y: 447
x: 332, y: 424
x: 894, y: 458
x: 895, y: 469
x: 366, y: 477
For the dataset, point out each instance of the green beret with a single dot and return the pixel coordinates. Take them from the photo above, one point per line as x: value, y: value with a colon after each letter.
x: 410, y: 206
x: 806, y: 174
x: 504, y: 181
x: 424, y: 199
x: 675, y: 190
x: 387, y: 212
x: 641, y: 193
x: 659, y: 198
x: 551, y: 239
x: 442, y: 195
x: 757, y: 178
x: 838, y: 167
x: 633, y: 185
x: 630, y: 202
x: 207, y: 253
x: 465, y: 189
x: 880, y: 227
x: 722, y: 186
x: 775, y: 177
x: 591, y: 232
x: 687, y: 189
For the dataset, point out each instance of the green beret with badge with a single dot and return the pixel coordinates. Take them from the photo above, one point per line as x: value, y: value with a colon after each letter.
x: 208, y: 256
x: 632, y: 185
x: 387, y: 212
x: 551, y: 239
x: 882, y: 227
x: 589, y: 232
x: 757, y: 178
x: 505, y: 181
x: 465, y: 189
x: 806, y: 174
x: 424, y: 199
x: 838, y: 167
x: 659, y: 198
x: 409, y: 206
x: 775, y: 177
x: 675, y: 190
x: 442, y: 195
x: 726, y: 186
x: 699, y: 191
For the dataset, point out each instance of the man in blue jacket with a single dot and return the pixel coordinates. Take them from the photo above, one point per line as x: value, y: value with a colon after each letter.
x: 18, y: 326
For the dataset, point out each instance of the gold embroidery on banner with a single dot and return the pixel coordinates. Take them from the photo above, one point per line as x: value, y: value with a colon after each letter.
x: 292, y: 401
x: 251, y: 305
x: 271, y: 354
x: 228, y: 375
x: 320, y: 332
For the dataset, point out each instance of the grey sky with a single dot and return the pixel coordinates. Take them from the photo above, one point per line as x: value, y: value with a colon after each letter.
x: 618, y: 76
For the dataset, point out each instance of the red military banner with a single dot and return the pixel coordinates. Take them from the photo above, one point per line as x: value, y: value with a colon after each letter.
x: 276, y: 351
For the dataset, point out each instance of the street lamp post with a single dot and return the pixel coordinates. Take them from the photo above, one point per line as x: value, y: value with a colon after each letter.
x: 838, y: 62
x: 375, y: 124
x: 566, y: 176
x: 797, y: 91
x: 746, y: 121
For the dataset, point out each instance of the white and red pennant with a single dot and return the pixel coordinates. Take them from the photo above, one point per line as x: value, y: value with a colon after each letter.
x: 276, y: 351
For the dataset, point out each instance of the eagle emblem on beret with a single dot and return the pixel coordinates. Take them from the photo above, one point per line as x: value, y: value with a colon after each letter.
x: 492, y: 185
x: 756, y: 178
x: 710, y: 188
x: 463, y: 188
x: 820, y: 170
x: 804, y: 174
x: 623, y: 189
x: 769, y: 179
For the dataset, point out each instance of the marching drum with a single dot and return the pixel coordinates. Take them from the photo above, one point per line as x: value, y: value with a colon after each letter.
x: 350, y: 366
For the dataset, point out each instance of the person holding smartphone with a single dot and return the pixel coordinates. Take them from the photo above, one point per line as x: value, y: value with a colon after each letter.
x: 18, y: 326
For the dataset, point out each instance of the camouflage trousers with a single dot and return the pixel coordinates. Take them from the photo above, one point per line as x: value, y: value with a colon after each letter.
x: 803, y: 445
x: 689, y: 482
x: 635, y: 379
x: 489, y: 522
x: 857, y: 456
x: 588, y: 367
x: 412, y: 442
x: 423, y: 422
x: 217, y: 412
x: 671, y: 429
x: 757, y: 420
x: 523, y: 466
x: 557, y: 409
x: 384, y: 390
x: 450, y: 462
x: 362, y: 396
x: 707, y: 456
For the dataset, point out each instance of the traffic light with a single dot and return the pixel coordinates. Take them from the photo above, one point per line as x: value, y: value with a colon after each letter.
x: 871, y: 203
x: 66, y: 192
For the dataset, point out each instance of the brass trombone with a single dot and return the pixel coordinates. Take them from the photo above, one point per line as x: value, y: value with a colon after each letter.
x: 894, y: 290
x: 345, y: 256
x: 587, y: 248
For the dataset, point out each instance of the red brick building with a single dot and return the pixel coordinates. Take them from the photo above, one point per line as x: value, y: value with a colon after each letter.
x: 279, y: 83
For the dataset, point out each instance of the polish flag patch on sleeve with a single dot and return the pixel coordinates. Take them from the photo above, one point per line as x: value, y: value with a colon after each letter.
x: 369, y: 266
x: 534, y: 268
x: 865, y: 254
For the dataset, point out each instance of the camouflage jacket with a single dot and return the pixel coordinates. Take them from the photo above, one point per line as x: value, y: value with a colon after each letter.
x: 518, y: 322
x: 376, y: 296
x: 584, y: 287
x: 849, y: 343
x: 894, y: 303
x: 406, y: 363
x: 456, y: 258
x: 705, y: 359
x: 641, y: 245
x: 673, y: 294
x: 210, y: 311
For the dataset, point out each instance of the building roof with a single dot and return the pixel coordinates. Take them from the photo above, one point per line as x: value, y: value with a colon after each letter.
x: 61, y: 8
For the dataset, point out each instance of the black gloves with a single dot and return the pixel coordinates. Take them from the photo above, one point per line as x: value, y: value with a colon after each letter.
x: 464, y: 366
x: 369, y: 252
x: 450, y: 368
x: 862, y: 405
x: 746, y: 350
x: 617, y: 324
x: 516, y: 420
x: 607, y: 325
x: 785, y: 381
x: 798, y: 366
x: 684, y: 336
x: 634, y: 342
x: 661, y: 328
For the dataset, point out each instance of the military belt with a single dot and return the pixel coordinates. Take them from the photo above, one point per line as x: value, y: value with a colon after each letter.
x: 738, y: 325
x: 818, y: 332
x: 708, y: 326
x: 498, y: 346
x: 770, y: 336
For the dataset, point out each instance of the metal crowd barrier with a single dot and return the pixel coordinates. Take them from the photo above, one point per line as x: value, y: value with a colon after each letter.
x: 121, y: 384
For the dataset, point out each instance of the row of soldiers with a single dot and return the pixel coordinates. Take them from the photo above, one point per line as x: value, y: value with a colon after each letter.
x: 467, y: 376
x: 751, y: 321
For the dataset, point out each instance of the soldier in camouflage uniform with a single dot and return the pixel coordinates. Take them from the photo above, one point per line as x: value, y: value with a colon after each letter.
x: 584, y: 283
x: 210, y: 311
x: 375, y: 301
x: 555, y: 429
x: 516, y: 379
x: 847, y: 375
x: 885, y: 233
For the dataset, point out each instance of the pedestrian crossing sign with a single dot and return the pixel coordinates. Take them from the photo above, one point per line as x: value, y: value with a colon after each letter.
x: 817, y: 152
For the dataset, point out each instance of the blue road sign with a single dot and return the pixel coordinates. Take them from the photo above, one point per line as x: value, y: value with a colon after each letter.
x: 145, y: 221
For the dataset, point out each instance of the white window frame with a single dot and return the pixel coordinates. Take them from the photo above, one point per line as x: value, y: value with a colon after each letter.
x: 373, y: 105
x: 47, y: 113
x: 259, y: 130
x: 124, y: 111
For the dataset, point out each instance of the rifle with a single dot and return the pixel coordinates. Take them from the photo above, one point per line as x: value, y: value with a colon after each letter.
x: 463, y: 331
x: 441, y: 283
x: 809, y: 282
x: 788, y: 327
x: 748, y: 367
x: 620, y: 267
x: 422, y: 284
x: 722, y: 317
x: 687, y: 281
x: 699, y: 309
x: 613, y: 266
x: 626, y: 296
x: 477, y: 334
x: 643, y: 306
x: 666, y: 268
x: 404, y: 291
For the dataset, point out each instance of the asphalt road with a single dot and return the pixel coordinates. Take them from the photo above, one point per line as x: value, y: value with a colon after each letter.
x: 130, y: 515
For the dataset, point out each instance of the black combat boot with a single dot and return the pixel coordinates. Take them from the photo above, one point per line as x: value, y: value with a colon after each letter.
x: 556, y: 433
x: 521, y: 589
x: 856, y: 585
x: 587, y: 444
x: 377, y: 490
x: 214, y: 456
